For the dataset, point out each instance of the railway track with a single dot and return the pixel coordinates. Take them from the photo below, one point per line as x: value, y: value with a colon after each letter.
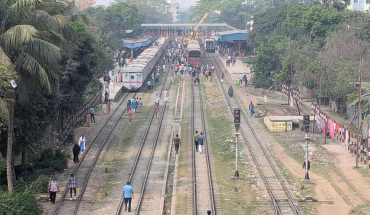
x: 203, y: 192
x: 87, y: 163
x: 281, y: 199
x: 143, y: 162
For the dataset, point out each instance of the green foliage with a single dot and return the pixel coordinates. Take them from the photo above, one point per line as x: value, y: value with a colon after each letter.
x: 78, y: 27
x: 19, y: 204
x: 38, y: 186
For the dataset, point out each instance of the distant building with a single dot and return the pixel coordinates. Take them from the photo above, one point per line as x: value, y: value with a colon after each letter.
x: 183, y: 15
x: 359, y: 5
x: 174, y: 10
x: 84, y: 4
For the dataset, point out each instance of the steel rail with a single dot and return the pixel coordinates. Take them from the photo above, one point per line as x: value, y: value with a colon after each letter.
x: 120, y: 206
x: 207, y: 154
x: 152, y: 155
x: 194, y: 174
x: 290, y: 199
x: 75, y: 169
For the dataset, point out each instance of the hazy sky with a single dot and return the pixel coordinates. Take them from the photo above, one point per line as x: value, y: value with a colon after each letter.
x: 183, y: 3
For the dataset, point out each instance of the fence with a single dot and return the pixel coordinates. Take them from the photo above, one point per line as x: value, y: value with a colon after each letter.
x: 71, y: 121
x: 296, y: 94
x: 340, y: 133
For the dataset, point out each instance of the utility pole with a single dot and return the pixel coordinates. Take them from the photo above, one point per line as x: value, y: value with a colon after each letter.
x: 291, y: 65
x: 359, y: 114
x: 320, y: 80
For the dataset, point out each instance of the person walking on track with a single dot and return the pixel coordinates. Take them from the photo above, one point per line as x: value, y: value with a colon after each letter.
x: 133, y: 105
x: 196, y: 139
x: 92, y: 117
x: 165, y: 96
x: 128, y: 194
x: 156, y: 107
x: 201, y: 142
x: 82, y: 142
x: 53, y: 188
x: 130, y: 112
x: 177, y: 143
x: 76, y: 152
x: 140, y: 105
x: 72, y: 185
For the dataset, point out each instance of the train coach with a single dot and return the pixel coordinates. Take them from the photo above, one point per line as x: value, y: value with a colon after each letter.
x: 194, y: 52
x: 210, y: 45
x: 135, y: 74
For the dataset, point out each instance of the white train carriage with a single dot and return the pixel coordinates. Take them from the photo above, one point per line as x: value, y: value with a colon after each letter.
x: 134, y: 75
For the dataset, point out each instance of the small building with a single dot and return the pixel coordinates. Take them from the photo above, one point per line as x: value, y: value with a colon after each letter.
x: 279, y: 123
x: 359, y: 5
x: 237, y: 37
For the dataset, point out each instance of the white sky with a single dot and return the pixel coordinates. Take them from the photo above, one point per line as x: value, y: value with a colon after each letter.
x: 183, y: 3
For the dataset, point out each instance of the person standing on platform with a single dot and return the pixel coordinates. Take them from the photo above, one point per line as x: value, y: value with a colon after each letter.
x: 201, y: 142
x: 241, y: 78
x: 92, y: 117
x: 82, y: 142
x: 53, y: 188
x: 128, y: 194
x: 196, y: 138
x: 72, y: 185
x: 99, y: 107
x: 251, y: 109
x: 245, y: 80
x: 177, y: 143
x: 76, y: 152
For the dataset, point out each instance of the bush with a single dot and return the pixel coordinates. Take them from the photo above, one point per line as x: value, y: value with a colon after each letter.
x: 40, y: 185
x: 19, y: 204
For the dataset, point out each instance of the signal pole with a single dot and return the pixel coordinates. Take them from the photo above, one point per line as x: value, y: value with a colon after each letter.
x: 306, y: 125
x: 237, y: 126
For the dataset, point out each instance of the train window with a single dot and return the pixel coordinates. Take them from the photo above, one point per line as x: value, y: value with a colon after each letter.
x: 132, y: 77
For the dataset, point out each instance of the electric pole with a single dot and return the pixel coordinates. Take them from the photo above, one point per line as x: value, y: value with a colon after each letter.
x: 359, y: 114
x: 291, y: 64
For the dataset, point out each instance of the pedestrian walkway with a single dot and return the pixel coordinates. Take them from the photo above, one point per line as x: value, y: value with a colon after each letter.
x: 236, y: 70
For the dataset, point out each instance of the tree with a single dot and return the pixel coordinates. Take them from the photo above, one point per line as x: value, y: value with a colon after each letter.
x: 29, y: 41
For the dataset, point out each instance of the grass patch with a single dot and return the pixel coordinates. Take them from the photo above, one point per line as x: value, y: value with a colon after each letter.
x: 114, y: 157
x: 183, y: 170
x: 236, y: 196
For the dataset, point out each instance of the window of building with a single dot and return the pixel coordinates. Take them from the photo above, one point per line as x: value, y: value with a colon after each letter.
x: 367, y: 1
x: 355, y: 1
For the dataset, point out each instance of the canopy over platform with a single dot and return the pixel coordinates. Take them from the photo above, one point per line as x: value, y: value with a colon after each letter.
x: 232, y: 36
x: 135, y: 43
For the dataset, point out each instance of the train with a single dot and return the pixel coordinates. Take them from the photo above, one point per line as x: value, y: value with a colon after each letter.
x: 194, y: 52
x: 210, y: 45
x: 135, y: 74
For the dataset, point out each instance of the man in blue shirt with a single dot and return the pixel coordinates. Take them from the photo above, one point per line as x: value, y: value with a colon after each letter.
x: 128, y: 194
x: 201, y: 142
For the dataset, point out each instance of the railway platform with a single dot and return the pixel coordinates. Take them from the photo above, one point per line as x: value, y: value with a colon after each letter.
x: 236, y: 70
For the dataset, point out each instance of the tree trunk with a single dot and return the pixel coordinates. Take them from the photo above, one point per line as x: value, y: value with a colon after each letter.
x: 9, y: 151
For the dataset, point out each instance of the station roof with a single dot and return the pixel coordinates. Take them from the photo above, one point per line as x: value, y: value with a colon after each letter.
x: 231, y: 36
x: 135, y: 43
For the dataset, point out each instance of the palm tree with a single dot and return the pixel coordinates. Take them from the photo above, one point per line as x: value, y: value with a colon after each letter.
x: 31, y: 34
